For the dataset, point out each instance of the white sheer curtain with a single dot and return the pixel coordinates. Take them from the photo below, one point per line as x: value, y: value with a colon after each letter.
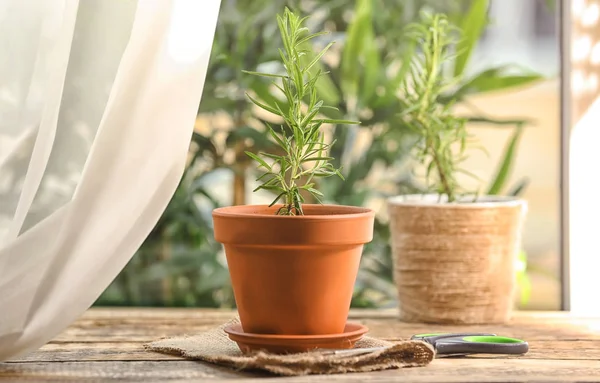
x: 97, y: 105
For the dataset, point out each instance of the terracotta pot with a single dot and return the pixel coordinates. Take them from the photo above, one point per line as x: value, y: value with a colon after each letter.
x: 455, y: 262
x: 293, y: 275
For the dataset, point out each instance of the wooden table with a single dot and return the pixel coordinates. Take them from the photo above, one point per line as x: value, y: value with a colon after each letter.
x: 106, y: 344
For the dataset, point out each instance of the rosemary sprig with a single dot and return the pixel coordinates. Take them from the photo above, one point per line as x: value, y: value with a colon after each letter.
x: 301, y: 139
x: 442, y: 137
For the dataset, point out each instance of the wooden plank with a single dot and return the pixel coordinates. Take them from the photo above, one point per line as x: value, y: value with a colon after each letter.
x: 556, y: 350
x: 138, y: 371
x: 108, y: 344
x: 530, y: 332
x: 440, y: 370
x: 466, y: 370
x: 144, y: 325
x: 73, y: 352
x: 135, y: 332
x: 70, y: 352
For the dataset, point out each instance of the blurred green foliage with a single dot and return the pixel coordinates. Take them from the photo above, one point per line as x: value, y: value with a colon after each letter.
x: 180, y: 264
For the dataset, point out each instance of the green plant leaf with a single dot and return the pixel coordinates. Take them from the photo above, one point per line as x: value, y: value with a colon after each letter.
x: 263, y: 92
x: 325, y: 87
x: 311, y: 36
x: 494, y: 79
x: 353, y: 47
x: 276, y: 137
x: 507, y: 163
x: 259, y: 160
x: 315, y: 192
x: 518, y: 189
x: 473, y: 25
x: 279, y: 196
x: 317, y: 58
x: 261, y: 74
x: 204, y: 143
x: 372, y: 62
x: 263, y: 105
x: 336, y: 122
x: 498, y: 121
x: 395, y: 83
x: 317, y: 159
x: 276, y: 188
x: 272, y: 156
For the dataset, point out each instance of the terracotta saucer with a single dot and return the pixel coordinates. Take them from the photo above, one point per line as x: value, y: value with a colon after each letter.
x: 285, y: 344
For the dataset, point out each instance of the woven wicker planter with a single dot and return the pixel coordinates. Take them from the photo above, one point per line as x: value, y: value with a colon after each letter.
x: 455, y: 263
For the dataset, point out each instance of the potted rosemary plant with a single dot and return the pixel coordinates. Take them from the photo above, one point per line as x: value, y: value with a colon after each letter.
x: 293, y: 265
x: 454, y: 250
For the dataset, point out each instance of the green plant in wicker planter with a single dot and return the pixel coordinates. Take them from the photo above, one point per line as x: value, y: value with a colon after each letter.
x: 454, y: 250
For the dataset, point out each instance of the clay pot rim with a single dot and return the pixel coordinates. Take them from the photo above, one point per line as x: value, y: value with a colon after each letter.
x: 432, y: 201
x: 351, y: 329
x: 342, y: 212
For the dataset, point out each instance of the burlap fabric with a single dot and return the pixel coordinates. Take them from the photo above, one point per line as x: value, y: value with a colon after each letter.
x: 214, y: 346
x: 455, y: 263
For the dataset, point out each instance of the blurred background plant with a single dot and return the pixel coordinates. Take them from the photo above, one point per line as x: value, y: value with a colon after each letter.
x: 180, y: 264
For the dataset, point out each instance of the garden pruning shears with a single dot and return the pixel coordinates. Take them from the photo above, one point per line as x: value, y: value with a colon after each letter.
x: 456, y: 344
x: 473, y: 343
